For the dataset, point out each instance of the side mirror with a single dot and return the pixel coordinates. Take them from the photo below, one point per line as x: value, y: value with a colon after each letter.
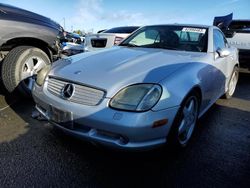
x: 223, y: 52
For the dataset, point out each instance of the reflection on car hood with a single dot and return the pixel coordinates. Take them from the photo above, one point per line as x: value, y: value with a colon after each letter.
x: 118, y: 67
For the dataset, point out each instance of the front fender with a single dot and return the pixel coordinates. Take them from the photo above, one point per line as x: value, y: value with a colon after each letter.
x: 180, y: 83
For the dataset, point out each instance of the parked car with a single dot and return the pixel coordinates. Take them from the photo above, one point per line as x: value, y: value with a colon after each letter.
x: 100, y: 31
x: 237, y: 33
x: 72, y: 44
x: 28, y: 42
x: 107, y: 38
x: 71, y: 37
x: 149, y: 90
x: 72, y: 48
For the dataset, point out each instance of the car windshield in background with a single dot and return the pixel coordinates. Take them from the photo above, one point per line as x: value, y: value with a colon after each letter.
x: 121, y: 29
x: 240, y: 25
x: 183, y: 38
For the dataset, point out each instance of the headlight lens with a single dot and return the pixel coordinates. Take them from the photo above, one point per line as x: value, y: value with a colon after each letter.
x: 139, y: 97
x: 42, y: 74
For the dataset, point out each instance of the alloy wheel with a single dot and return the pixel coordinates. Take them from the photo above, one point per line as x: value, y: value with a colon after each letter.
x: 30, y: 69
x: 188, y: 120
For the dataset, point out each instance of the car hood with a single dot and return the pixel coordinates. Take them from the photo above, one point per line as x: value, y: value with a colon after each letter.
x: 118, y: 67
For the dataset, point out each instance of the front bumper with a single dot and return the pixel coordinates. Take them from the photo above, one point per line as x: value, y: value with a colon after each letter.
x: 101, y: 124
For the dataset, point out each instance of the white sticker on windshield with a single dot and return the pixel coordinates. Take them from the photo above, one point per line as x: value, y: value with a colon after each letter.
x: 194, y: 30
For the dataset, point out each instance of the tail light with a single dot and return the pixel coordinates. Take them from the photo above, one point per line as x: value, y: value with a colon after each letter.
x: 117, y: 40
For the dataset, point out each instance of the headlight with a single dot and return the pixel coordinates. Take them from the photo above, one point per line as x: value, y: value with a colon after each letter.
x: 139, y: 97
x: 42, y: 74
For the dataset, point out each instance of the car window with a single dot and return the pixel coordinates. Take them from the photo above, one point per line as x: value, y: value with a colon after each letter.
x: 146, y: 38
x: 219, y: 40
x: 171, y: 37
x: 195, y: 36
x: 240, y: 25
x: 183, y: 36
x: 189, y: 36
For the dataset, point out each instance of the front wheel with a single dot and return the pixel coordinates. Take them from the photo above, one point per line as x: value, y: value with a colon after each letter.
x: 20, y: 66
x: 232, y: 83
x: 185, y: 121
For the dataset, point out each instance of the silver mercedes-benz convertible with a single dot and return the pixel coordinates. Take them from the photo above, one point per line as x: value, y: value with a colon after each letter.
x: 148, y: 91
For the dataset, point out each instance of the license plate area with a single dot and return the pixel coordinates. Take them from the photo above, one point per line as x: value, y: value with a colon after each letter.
x: 61, y: 117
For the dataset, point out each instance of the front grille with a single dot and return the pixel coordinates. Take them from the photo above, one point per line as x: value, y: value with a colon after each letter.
x: 82, y: 94
x: 99, y: 43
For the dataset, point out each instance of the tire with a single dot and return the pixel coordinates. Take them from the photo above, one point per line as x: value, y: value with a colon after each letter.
x: 232, y: 84
x: 185, y: 122
x: 20, y: 67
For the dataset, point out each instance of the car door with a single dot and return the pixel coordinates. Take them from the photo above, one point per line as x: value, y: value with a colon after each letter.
x: 220, y: 63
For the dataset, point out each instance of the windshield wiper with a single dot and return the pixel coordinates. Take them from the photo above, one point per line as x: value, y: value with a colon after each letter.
x: 129, y: 45
x: 168, y: 47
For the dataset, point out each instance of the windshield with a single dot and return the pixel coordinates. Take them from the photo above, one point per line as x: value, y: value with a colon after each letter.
x: 240, y: 25
x: 121, y: 29
x: 183, y: 38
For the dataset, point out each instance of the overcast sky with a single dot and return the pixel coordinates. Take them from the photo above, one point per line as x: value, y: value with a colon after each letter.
x: 104, y: 14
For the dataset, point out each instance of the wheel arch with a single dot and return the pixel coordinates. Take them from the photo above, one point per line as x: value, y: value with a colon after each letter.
x: 197, y: 90
x: 177, y: 92
x: 28, y: 41
x: 172, y: 135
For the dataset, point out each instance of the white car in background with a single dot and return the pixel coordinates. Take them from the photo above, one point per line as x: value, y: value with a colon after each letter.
x: 107, y: 38
x: 237, y: 33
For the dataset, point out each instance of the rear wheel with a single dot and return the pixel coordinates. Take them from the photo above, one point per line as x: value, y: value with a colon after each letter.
x: 20, y: 66
x: 185, y: 121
